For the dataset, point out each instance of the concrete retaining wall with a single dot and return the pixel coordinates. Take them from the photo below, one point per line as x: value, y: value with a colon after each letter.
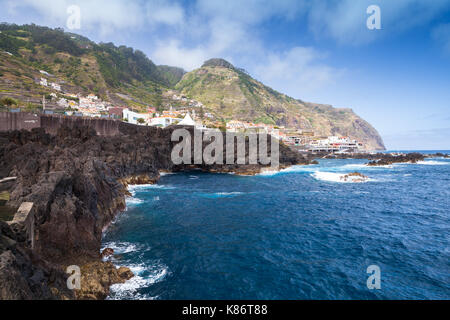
x: 18, y: 121
x: 10, y: 121
x: 103, y: 127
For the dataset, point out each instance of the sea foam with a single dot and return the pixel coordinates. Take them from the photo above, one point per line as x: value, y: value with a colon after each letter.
x: 337, y: 177
x: 433, y: 163
x: 121, y: 247
x: 143, y: 277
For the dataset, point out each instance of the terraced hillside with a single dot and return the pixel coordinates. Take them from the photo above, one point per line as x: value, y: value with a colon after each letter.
x: 124, y: 76
x: 234, y: 94
x: 117, y: 74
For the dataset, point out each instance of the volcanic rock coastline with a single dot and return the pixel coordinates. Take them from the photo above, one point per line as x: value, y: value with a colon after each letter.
x: 77, y: 181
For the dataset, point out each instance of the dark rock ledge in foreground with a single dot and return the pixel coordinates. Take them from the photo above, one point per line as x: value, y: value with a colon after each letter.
x: 77, y: 183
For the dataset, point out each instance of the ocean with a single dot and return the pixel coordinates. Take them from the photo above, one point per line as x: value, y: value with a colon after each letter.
x: 301, y: 233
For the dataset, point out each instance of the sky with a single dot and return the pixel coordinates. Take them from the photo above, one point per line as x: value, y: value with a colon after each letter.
x: 397, y: 77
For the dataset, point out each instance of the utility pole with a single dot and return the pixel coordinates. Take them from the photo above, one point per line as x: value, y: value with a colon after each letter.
x: 43, y: 103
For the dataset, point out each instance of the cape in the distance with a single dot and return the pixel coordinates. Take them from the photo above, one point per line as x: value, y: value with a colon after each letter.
x: 39, y: 60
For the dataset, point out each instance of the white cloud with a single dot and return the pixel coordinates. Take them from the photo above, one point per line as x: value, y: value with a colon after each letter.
x: 345, y: 20
x: 166, y: 13
x: 175, y: 54
x: 296, y: 72
x: 250, y: 11
x: 186, y: 35
x: 104, y: 16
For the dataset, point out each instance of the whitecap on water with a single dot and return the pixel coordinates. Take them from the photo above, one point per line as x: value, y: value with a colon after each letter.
x: 144, y: 276
x: 297, y: 168
x: 433, y: 163
x: 135, y: 187
x: 336, y: 177
x: 221, y: 194
x: 133, y: 201
x: 120, y: 247
x: 162, y: 174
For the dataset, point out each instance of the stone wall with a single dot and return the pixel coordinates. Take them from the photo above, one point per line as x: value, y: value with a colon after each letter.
x: 103, y: 127
x: 10, y: 121
x: 18, y: 121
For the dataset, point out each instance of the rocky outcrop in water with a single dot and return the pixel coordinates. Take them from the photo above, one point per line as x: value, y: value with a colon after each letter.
x: 381, y: 159
x: 355, y: 177
x: 402, y: 158
x: 77, y: 182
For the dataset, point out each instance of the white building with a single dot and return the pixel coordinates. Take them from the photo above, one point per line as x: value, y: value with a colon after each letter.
x: 133, y: 117
x: 55, y: 86
x: 336, y: 144
x: 187, y: 121
x: 43, y: 82
x: 163, y: 121
x: 63, y: 103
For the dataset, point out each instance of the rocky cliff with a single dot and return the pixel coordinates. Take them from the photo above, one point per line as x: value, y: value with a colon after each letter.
x: 233, y: 94
x: 77, y: 182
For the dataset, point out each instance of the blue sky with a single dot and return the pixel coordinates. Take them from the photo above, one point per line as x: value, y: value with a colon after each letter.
x: 397, y: 78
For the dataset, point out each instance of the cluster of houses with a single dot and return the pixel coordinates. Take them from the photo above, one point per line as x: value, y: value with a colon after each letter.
x: 45, y: 83
x: 335, y: 144
x: 183, y: 98
x: 163, y: 119
x: 303, y: 139
x: 93, y: 106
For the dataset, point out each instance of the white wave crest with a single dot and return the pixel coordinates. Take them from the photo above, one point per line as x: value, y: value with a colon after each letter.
x: 433, y: 163
x: 133, y: 201
x: 120, y: 247
x: 337, y: 177
x: 221, y: 194
x: 296, y: 168
x: 143, y: 278
x: 134, y: 187
x: 228, y: 193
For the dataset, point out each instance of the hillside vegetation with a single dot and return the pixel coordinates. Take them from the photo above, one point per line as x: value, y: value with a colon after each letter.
x: 125, y: 76
x: 234, y: 94
x: 119, y: 74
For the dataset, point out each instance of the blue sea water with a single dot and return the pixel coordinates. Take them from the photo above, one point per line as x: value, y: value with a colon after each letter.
x: 297, y: 234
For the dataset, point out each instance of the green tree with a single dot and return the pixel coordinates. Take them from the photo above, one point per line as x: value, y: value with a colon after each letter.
x: 141, y: 121
x: 7, y: 101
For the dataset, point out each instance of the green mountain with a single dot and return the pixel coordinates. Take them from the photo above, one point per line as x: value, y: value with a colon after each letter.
x: 117, y: 74
x: 125, y: 76
x: 233, y: 94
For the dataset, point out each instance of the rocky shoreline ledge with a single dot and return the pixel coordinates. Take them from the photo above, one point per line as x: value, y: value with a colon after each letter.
x: 77, y: 182
x: 384, y: 159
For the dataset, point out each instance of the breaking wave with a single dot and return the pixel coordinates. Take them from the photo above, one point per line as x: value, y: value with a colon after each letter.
x: 135, y: 187
x: 336, y: 177
x: 144, y: 276
x: 433, y: 163
x: 121, y: 247
x: 133, y: 201
x: 221, y: 194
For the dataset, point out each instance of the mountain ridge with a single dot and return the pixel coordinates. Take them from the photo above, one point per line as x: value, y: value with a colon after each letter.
x: 232, y: 93
x: 125, y: 76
